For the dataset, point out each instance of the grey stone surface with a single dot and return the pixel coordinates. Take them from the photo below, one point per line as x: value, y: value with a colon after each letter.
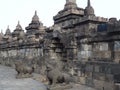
x: 81, y: 87
x: 9, y: 82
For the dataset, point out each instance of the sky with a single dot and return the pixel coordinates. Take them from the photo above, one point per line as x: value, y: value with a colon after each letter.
x: 12, y: 11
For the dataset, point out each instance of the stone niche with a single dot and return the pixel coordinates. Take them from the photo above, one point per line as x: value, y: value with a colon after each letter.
x: 101, y: 50
x: 117, y: 51
x: 85, y: 51
x: 55, y: 49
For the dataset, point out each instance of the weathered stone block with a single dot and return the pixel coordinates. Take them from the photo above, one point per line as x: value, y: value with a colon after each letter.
x: 83, y: 80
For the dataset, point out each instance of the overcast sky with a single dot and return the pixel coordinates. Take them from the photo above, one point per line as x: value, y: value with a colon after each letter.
x: 23, y: 10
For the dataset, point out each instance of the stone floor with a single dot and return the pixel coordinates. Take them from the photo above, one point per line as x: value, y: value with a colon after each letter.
x: 9, y: 82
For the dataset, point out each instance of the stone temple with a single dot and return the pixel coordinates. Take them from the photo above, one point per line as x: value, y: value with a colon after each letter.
x: 78, y: 40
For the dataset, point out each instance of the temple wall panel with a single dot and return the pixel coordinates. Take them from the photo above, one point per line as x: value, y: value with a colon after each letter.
x: 117, y: 46
x: 117, y: 56
x: 84, y: 52
x: 103, y: 85
x: 102, y: 54
x: 117, y: 51
x: 101, y: 50
x: 10, y: 56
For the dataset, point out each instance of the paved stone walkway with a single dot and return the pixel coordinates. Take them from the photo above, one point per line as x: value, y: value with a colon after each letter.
x: 9, y: 82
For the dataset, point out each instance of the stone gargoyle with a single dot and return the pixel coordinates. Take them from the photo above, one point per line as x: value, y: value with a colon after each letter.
x: 23, y: 71
x: 55, y: 76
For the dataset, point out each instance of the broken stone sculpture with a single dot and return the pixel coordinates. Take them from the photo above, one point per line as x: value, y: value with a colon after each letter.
x: 23, y: 71
x: 55, y: 76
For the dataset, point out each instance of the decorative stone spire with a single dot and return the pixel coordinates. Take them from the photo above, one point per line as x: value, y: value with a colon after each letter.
x: 1, y: 35
x: 8, y: 27
x: 89, y: 9
x: 8, y: 32
x: 89, y: 3
x: 18, y: 27
x: 70, y: 1
x: 70, y: 4
x: 18, y: 30
x: 35, y: 17
x: 35, y: 26
x: 2, y: 32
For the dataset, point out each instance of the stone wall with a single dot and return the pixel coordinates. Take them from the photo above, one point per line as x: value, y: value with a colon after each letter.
x: 29, y: 56
x: 101, y: 50
x: 117, y: 51
x: 85, y: 52
x: 103, y: 85
x: 33, y: 52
